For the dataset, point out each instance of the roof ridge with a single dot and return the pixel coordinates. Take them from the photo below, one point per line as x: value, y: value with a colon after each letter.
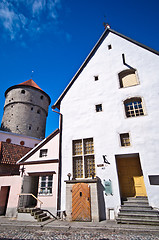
x: 40, y: 144
x: 87, y: 59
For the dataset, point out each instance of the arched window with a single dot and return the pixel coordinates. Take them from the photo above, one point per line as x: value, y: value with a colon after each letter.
x: 128, y: 78
x: 134, y: 107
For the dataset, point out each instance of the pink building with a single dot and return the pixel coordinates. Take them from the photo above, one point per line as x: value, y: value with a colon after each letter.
x: 39, y: 175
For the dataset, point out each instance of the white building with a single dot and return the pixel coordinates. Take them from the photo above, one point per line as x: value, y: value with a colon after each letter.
x: 110, y: 128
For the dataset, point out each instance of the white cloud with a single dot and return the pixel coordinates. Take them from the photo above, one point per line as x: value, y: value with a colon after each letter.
x: 38, y: 6
x: 30, y: 16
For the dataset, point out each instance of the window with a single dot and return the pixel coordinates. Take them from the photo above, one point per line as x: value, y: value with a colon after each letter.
x: 109, y: 46
x: 41, y: 97
x: 128, y: 78
x: 134, y: 107
x: 45, y: 185
x: 125, y: 139
x: 23, y: 91
x: 98, y: 108
x: 96, y: 78
x: 29, y: 126
x: 83, y: 158
x: 38, y: 111
x: 43, y: 152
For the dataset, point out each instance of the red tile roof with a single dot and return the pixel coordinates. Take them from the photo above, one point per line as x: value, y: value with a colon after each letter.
x: 11, y: 153
x: 31, y: 83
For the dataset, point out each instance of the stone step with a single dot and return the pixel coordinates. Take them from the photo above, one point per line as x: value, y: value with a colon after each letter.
x: 137, y: 198
x: 41, y: 215
x: 38, y: 212
x: 34, y: 210
x: 139, y: 216
x: 138, y: 203
x: 139, y: 211
x: 138, y: 221
x: 136, y: 207
x: 43, y: 219
x: 24, y: 210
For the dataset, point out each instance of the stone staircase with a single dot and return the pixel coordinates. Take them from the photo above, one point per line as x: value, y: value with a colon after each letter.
x: 40, y: 215
x: 137, y: 211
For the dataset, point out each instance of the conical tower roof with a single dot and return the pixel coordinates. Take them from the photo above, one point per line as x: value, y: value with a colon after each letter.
x: 28, y: 83
x: 31, y: 83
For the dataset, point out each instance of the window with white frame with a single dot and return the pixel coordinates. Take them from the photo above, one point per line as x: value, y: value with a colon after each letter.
x: 45, y: 185
x: 83, y: 158
x: 43, y: 152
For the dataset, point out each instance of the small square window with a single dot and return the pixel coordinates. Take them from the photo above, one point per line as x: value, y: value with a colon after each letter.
x: 125, y: 139
x: 43, y: 152
x: 96, y: 78
x: 99, y: 108
x: 109, y: 46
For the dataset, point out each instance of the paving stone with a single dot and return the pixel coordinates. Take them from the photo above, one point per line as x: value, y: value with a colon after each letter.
x: 24, y: 233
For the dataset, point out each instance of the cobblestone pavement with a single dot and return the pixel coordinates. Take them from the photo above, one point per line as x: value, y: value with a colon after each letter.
x: 8, y: 232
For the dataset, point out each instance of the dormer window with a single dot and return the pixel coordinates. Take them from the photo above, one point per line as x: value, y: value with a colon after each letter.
x: 43, y: 153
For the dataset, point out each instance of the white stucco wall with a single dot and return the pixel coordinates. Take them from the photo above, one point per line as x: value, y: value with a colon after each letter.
x: 17, y: 138
x: 80, y: 120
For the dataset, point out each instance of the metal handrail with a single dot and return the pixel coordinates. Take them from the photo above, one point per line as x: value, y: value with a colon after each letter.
x: 30, y: 194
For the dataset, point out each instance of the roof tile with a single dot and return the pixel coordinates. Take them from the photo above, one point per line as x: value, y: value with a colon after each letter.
x: 10, y: 153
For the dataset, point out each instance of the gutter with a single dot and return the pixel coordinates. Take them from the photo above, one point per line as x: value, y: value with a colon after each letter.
x: 60, y: 162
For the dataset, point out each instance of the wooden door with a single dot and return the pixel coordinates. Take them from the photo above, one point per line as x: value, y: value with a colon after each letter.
x: 4, y: 195
x: 139, y: 186
x: 130, y: 177
x: 81, y: 207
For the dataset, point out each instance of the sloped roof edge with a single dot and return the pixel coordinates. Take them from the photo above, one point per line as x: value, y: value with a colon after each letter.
x: 57, y: 103
x: 41, y: 144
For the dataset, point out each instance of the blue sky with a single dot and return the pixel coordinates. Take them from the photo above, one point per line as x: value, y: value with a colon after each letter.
x: 53, y: 37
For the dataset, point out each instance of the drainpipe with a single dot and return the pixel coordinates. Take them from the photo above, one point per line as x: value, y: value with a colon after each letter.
x: 60, y: 164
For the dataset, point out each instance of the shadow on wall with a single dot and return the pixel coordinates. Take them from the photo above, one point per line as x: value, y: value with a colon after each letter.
x: 101, y: 203
x: 5, y: 129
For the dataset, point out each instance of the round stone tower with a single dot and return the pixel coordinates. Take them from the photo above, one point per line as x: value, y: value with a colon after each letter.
x: 25, y: 110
